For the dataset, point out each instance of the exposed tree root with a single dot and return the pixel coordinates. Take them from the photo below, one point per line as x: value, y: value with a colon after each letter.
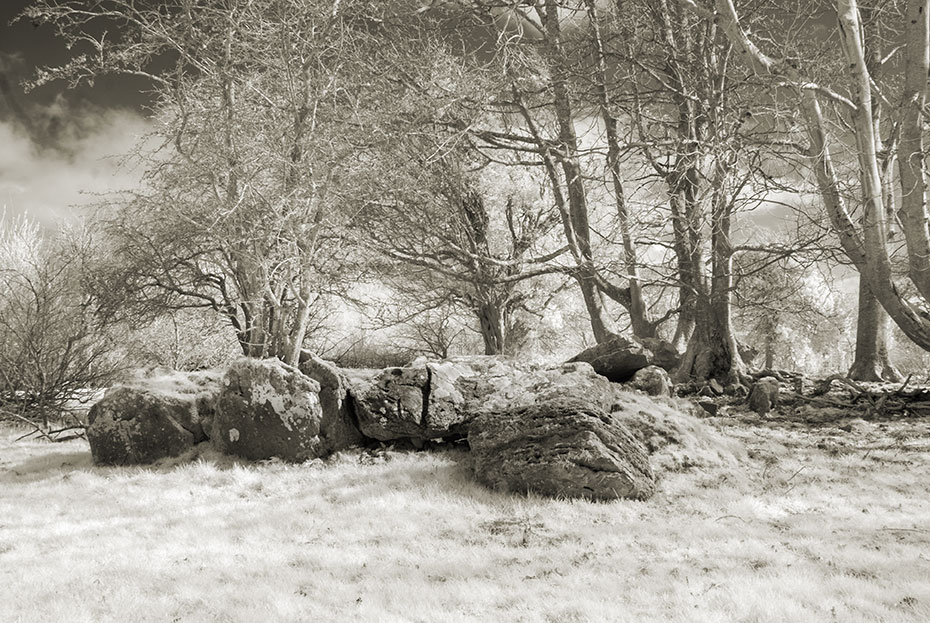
x: 868, y: 402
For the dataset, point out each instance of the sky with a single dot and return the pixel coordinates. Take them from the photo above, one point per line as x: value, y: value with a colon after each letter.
x: 59, y: 146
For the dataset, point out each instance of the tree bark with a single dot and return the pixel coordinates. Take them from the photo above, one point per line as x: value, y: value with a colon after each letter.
x: 683, y: 178
x: 872, y: 362
x: 770, y: 348
x: 689, y: 249
x: 712, y: 351
x: 913, y: 213
x: 492, y: 323
x: 586, y: 273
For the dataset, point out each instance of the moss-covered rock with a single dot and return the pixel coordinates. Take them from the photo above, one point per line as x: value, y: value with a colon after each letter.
x: 267, y: 409
x: 564, y: 448
x: 152, y: 418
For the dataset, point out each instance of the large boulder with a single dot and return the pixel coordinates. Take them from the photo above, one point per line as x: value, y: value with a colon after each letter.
x: 490, y: 383
x: 419, y: 402
x: 392, y: 403
x: 618, y: 358
x: 433, y: 400
x: 338, y: 429
x: 152, y: 418
x: 267, y: 409
x: 764, y: 395
x: 562, y: 447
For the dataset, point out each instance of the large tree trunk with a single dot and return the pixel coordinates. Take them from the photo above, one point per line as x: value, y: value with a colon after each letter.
x: 684, y: 178
x: 872, y: 362
x: 712, y: 351
x: 689, y: 251
x: 586, y: 274
x: 601, y: 324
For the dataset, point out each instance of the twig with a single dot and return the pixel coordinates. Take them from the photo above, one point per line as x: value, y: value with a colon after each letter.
x: 904, y: 384
x: 79, y: 435
x: 796, y: 473
x: 36, y: 427
x: 69, y: 438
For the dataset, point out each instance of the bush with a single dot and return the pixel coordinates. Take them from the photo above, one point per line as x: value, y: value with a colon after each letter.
x: 52, y: 349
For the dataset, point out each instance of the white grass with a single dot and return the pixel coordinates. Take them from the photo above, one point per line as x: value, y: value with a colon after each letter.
x: 794, y: 533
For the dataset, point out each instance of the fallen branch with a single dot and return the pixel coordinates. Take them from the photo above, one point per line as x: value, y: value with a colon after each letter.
x: 46, y: 434
x: 79, y: 435
x: 865, y: 403
x: 824, y: 386
x: 36, y: 428
x: 832, y: 402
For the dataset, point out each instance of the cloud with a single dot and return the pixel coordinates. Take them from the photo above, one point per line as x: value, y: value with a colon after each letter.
x: 55, y: 175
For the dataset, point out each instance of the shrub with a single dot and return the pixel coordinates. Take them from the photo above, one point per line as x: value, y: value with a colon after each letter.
x: 52, y: 349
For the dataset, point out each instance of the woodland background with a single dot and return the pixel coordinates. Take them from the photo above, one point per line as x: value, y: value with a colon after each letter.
x: 379, y: 180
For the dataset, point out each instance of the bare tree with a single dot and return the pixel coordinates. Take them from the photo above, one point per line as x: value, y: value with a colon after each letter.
x: 261, y: 106
x: 543, y: 49
x: 460, y: 240
x: 52, y: 349
x: 855, y: 94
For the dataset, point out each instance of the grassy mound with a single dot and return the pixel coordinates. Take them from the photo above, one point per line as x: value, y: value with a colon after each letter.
x: 676, y: 439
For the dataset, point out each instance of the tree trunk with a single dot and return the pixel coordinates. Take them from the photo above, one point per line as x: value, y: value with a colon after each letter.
x: 770, y: 349
x: 868, y: 250
x: 712, y: 351
x: 586, y: 274
x: 872, y: 362
x: 639, y: 319
x: 690, y: 259
x: 601, y: 324
x: 492, y: 323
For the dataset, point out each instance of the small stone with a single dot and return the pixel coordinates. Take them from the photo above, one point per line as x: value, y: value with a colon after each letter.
x: 764, y: 395
x: 736, y: 389
x: 653, y: 381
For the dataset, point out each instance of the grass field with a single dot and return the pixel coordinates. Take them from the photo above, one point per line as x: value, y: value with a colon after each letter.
x: 810, y: 524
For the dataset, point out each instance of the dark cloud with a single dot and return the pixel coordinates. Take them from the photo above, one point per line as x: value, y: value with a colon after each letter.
x: 59, y: 148
x: 50, y: 124
x: 57, y: 157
